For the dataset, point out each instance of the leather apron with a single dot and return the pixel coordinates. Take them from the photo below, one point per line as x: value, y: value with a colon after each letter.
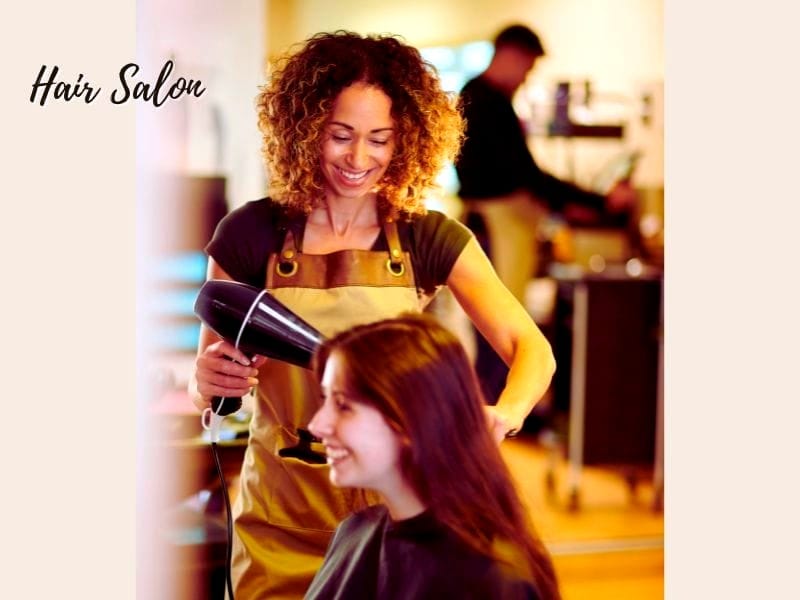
x: 287, y: 508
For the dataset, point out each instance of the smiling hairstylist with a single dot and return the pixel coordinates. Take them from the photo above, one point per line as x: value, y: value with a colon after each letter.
x: 355, y: 131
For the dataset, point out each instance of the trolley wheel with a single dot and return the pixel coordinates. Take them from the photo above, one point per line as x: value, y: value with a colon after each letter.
x: 658, y: 500
x: 574, y: 502
x: 550, y: 482
x: 632, y: 480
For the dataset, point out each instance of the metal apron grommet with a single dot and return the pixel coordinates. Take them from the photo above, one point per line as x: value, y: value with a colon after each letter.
x: 391, y: 266
x: 281, y: 266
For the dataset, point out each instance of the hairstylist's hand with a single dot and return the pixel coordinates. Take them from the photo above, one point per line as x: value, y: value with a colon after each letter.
x: 497, y: 422
x: 621, y: 197
x: 222, y: 370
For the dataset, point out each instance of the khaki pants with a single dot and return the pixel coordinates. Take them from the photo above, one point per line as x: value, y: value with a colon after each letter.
x: 512, y: 223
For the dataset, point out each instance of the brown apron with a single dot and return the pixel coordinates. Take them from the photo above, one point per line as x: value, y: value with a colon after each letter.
x: 287, y: 508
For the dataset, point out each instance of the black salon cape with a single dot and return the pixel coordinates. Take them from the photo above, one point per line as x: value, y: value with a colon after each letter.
x: 371, y: 556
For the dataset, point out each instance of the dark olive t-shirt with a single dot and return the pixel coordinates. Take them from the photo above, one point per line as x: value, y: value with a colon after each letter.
x: 246, y: 237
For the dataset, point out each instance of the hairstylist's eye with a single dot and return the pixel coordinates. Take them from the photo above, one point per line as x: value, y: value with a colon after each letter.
x: 339, y: 134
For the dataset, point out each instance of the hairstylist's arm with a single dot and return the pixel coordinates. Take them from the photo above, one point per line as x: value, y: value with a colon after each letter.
x: 508, y: 327
x: 215, y: 374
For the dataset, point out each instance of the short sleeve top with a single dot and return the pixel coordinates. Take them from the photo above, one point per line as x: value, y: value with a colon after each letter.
x: 246, y: 236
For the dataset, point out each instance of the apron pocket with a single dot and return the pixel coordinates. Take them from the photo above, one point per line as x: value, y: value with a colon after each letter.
x: 302, y: 496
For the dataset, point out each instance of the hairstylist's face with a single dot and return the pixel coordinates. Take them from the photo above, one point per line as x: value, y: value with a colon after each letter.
x: 363, y: 451
x: 359, y: 141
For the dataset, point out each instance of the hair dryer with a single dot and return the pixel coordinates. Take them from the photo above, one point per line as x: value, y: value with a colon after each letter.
x: 256, y: 323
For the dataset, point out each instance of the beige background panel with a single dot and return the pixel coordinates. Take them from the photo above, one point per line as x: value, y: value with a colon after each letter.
x: 731, y: 300
x: 68, y: 438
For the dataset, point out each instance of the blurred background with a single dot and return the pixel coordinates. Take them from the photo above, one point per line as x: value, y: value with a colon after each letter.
x: 589, y: 461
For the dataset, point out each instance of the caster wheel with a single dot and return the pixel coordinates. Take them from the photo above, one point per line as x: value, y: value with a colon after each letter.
x: 550, y: 482
x: 633, y: 482
x: 658, y: 501
x: 574, y: 503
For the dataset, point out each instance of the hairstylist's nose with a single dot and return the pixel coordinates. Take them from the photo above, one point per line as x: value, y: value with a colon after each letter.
x: 358, y: 155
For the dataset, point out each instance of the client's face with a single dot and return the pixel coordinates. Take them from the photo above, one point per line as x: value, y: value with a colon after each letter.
x: 363, y: 451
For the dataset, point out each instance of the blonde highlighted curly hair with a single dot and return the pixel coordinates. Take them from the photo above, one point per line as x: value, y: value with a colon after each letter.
x: 294, y: 105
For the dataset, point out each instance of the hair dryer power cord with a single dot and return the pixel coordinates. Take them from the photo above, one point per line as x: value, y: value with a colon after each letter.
x: 228, y: 548
x: 211, y: 419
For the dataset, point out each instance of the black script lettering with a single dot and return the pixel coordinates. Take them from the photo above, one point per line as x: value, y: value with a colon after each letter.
x: 158, y: 94
x: 122, y: 71
x: 62, y: 90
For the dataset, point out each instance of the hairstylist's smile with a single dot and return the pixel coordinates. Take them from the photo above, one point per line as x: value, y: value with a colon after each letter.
x: 356, y: 177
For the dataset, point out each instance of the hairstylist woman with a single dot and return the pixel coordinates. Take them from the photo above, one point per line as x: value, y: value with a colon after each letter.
x: 355, y: 131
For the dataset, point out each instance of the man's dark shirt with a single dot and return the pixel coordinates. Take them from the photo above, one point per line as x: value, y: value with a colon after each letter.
x: 495, y: 160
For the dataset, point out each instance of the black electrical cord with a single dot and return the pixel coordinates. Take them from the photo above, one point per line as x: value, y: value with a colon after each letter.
x: 218, y: 410
x: 229, y: 545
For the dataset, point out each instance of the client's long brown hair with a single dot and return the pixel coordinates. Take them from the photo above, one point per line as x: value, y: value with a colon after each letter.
x: 417, y: 374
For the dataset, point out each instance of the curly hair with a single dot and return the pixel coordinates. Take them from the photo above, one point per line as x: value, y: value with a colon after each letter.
x: 294, y: 105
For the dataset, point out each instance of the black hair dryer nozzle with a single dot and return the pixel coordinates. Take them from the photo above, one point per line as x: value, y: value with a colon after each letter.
x: 255, y: 322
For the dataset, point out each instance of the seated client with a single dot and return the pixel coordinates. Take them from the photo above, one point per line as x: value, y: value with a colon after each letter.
x: 402, y: 414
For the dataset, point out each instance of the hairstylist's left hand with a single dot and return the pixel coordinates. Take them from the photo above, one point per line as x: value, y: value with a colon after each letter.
x: 621, y: 197
x: 497, y: 422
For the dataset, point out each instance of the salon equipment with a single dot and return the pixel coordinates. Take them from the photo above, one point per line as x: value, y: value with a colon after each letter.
x: 256, y: 323
x: 608, y: 343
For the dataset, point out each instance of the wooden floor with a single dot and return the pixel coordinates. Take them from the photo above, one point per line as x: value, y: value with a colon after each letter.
x: 612, y: 546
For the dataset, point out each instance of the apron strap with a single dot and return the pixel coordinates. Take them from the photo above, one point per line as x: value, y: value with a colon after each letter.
x: 285, y: 264
x: 395, y: 263
x: 287, y: 260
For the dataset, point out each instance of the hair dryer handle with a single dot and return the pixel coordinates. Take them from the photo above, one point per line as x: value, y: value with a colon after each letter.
x: 221, y: 406
x: 212, y: 417
x: 225, y: 406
